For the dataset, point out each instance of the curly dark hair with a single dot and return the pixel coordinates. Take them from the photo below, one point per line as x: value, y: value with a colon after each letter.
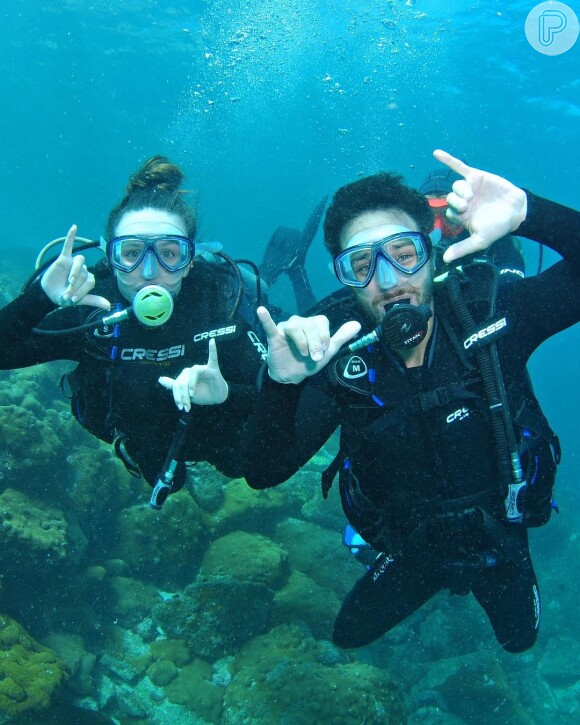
x: 379, y: 191
x: 156, y: 185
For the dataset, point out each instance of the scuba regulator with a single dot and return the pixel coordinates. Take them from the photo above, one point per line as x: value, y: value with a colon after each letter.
x: 152, y: 306
x: 403, y: 327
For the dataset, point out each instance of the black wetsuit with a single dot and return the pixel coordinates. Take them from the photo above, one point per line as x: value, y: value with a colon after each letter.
x: 121, y: 399
x: 504, y: 254
x: 414, y: 473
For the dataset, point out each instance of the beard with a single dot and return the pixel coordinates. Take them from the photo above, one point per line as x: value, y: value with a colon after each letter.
x: 375, y: 308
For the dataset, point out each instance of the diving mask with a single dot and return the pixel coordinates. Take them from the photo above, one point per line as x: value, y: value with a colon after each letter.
x: 406, y: 252
x: 173, y: 252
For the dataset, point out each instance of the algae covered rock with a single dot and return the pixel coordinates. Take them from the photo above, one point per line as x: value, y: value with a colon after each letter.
x: 303, y: 600
x: 35, y: 388
x: 100, y: 487
x: 70, y: 649
x: 163, y: 546
x: 249, y: 510
x: 207, y: 486
x: 482, y: 694
x: 162, y: 672
x: 560, y: 662
x: 29, y: 672
x: 30, y: 447
x: 473, y: 687
x: 193, y: 689
x: 247, y: 557
x: 283, y: 677
x: 318, y: 553
x: 216, y: 615
x: 131, y: 599
x: 174, y: 650
x: 31, y: 530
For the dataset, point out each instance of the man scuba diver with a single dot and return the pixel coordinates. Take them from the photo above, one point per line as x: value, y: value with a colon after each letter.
x: 445, y: 456
x: 505, y: 254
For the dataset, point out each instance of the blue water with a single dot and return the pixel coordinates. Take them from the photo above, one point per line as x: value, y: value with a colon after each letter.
x: 270, y: 105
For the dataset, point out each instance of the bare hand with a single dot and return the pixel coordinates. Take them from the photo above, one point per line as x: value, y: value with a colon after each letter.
x: 488, y: 206
x: 199, y: 384
x: 301, y: 346
x: 68, y: 281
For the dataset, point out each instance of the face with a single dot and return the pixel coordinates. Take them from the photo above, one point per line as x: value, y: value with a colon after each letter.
x: 388, y: 284
x: 153, y: 222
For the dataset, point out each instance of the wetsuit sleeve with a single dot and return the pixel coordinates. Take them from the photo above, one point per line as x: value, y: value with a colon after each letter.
x: 288, y: 425
x: 554, y: 225
x: 20, y: 346
x: 545, y: 304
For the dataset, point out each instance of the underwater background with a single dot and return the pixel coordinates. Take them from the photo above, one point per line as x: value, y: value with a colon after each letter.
x: 219, y: 609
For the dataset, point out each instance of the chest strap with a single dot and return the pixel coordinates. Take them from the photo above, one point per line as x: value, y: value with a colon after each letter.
x: 416, y: 404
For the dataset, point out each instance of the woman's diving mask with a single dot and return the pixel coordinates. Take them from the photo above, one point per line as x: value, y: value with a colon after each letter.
x: 173, y: 252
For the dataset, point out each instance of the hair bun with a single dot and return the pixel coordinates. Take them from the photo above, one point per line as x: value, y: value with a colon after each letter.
x: 156, y: 185
x: 156, y: 173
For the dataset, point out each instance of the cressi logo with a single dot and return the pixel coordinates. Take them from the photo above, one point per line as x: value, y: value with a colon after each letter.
x: 459, y: 414
x: 258, y: 344
x: 485, y: 332
x: 133, y: 354
x: 216, y: 332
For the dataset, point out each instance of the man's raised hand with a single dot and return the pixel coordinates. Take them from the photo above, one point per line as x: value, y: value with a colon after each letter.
x: 301, y: 346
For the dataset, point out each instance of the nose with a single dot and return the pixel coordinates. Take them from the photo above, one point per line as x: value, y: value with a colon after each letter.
x: 386, y: 274
x: 149, y: 266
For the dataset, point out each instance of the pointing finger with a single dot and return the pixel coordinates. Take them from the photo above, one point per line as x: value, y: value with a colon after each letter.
x: 67, y: 247
x: 212, y: 358
x: 453, y: 163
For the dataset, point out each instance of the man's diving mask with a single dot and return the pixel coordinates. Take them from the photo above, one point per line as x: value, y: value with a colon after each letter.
x: 406, y: 252
x: 173, y: 252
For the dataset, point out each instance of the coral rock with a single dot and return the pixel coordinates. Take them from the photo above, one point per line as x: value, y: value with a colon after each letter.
x: 31, y: 526
x: 29, y: 672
